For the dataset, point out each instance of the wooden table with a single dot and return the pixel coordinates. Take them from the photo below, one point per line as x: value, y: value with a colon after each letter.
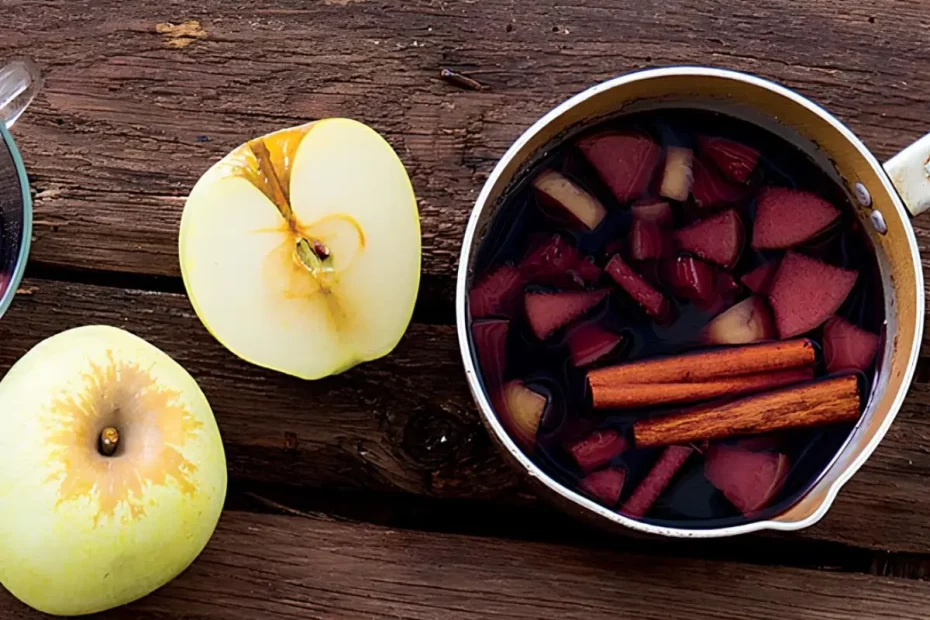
x: 378, y: 493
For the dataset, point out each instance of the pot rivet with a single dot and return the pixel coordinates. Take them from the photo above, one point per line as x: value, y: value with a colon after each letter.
x: 878, y: 222
x: 862, y: 195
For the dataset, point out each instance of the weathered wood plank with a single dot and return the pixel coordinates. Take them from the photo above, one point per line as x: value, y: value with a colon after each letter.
x: 288, y: 567
x: 129, y: 119
x: 406, y: 424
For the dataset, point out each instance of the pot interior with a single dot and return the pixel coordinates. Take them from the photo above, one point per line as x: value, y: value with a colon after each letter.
x: 833, y: 148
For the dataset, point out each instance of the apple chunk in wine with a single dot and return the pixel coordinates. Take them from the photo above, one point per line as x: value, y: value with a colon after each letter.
x: 719, y: 272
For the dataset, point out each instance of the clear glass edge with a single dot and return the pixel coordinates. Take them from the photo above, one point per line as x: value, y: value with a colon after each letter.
x: 20, y: 267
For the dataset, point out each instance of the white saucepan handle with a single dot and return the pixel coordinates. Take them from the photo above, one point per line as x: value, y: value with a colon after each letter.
x: 910, y: 172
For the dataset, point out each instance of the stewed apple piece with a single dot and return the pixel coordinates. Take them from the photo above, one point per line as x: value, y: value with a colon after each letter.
x: 847, y: 346
x: 646, y: 241
x: 598, y: 449
x: 589, y: 342
x: 692, y: 279
x: 559, y: 194
x: 656, y: 481
x: 605, y: 486
x: 522, y: 409
x: 547, y: 312
x: 718, y: 239
x: 759, y: 279
x: 748, y: 321
x: 677, y: 175
x: 554, y: 261
x: 787, y: 217
x: 490, y: 340
x: 636, y: 287
x: 497, y: 294
x: 736, y: 161
x: 806, y: 292
x: 750, y: 480
x: 659, y: 213
x: 711, y: 190
x: 625, y: 161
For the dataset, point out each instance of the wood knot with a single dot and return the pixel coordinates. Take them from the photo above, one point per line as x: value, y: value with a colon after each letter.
x: 179, y: 36
x: 433, y: 438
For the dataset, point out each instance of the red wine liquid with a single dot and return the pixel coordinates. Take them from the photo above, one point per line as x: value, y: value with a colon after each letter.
x: 690, y: 500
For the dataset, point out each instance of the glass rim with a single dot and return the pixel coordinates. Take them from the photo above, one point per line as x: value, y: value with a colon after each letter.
x: 19, y: 267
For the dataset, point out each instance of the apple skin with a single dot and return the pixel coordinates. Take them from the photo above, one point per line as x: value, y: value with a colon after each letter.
x: 345, y: 186
x: 81, y: 532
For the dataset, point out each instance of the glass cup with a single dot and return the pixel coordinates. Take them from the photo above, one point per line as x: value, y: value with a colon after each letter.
x: 19, y: 82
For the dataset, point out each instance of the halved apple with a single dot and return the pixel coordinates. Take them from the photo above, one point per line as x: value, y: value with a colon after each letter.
x: 300, y: 250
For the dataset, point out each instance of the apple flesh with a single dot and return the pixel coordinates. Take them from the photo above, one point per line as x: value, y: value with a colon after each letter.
x: 560, y: 195
x: 677, y: 176
x: 112, y: 471
x: 523, y: 409
x: 300, y: 250
x: 748, y: 321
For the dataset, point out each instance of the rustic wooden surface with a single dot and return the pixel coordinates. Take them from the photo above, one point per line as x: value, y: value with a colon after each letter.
x: 130, y: 117
x: 278, y: 567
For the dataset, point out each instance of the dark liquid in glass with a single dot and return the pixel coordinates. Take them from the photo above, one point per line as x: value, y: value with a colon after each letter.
x: 544, y: 365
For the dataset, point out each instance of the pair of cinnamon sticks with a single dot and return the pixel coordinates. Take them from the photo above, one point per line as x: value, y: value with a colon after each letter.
x: 735, y: 371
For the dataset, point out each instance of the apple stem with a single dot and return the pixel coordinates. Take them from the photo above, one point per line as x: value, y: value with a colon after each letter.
x: 108, y: 441
x: 277, y: 194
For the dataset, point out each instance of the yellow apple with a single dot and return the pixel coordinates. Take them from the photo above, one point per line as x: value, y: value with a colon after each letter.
x: 300, y: 250
x: 112, y: 472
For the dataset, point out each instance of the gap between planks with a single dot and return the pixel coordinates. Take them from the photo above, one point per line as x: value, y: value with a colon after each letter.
x: 434, y: 305
x: 532, y: 521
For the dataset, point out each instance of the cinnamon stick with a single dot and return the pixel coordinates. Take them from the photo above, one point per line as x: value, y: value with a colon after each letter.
x: 635, y: 395
x: 719, y: 363
x: 815, y: 404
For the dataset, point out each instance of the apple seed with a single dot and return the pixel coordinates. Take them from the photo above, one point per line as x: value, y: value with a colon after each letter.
x: 319, y: 249
x: 308, y: 257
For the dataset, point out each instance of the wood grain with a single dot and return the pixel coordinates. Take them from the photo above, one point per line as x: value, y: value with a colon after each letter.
x: 131, y: 115
x: 406, y: 424
x: 261, y: 566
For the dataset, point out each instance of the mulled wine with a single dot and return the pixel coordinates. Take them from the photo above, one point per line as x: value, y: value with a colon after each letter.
x: 677, y: 314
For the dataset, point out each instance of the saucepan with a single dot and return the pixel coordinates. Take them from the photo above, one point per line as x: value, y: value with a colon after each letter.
x: 885, y: 197
x: 19, y: 82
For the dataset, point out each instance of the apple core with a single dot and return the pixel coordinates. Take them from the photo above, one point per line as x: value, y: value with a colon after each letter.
x: 108, y: 443
x: 311, y: 249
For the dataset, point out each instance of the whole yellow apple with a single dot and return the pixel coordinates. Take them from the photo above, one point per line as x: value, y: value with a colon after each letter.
x: 300, y: 250
x: 112, y: 471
